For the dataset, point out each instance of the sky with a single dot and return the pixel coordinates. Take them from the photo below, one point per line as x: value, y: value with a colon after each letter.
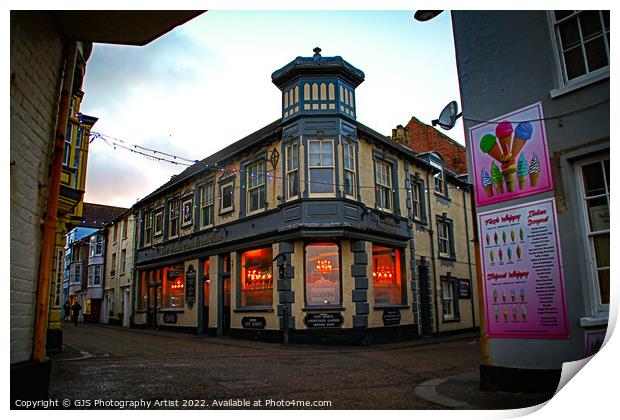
x: 207, y: 84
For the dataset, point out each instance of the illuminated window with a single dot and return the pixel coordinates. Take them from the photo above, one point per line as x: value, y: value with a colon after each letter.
x: 256, y: 186
x: 323, y: 274
x: 206, y: 204
x: 257, y: 277
x: 387, y: 275
x: 174, y: 213
x: 173, y: 286
x: 349, y: 169
x: 321, y: 165
x: 292, y: 170
x: 383, y: 185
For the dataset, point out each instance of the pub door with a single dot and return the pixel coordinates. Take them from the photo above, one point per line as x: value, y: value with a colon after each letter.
x: 154, y: 303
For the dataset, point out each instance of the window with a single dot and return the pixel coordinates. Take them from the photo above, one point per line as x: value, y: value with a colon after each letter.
x: 94, y: 275
x: 387, y: 275
x: 256, y: 186
x: 594, y: 186
x: 143, y: 290
x: 582, y: 38
x: 188, y: 212
x: 113, y: 265
x: 66, y: 153
x: 77, y: 274
x: 226, y: 197
x: 444, y: 239
x: 383, y: 181
x: 292, y: 170
x: 76, y: 152
x: 206, y: 205
x: 449, y: 302
x: 321, y: 165
x: 123, y: 261
x: 148, y: 228
x: 440, y: 183
x: 257, y: 277
x: 115, y: 233
x: 173, y: 286
x: 159, y: 223
x: 124, y: 229
x: 322, y: 274
x: 416, y: 200
x: 348, y: 156
x: 174, y: 216
x: 96, y: 246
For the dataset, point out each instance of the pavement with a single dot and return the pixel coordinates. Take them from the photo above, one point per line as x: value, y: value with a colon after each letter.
x: 424, y: 374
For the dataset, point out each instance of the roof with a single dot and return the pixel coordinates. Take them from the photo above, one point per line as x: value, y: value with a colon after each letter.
x: 98, y: 215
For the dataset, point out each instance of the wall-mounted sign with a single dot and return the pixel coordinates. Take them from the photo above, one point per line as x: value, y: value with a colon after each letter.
x: 391, y: 317
x: 522, y: 272
x: 323, y: 320
x: 170, y: 318
x: 190, y: 286
x: 510, y: 157
x: 253, y: 322
x: 464, y: 289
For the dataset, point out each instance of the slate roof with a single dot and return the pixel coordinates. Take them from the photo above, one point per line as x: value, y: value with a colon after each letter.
x: 98, y: 215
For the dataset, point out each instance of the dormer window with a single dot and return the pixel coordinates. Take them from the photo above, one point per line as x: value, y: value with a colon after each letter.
x: 440, y: 184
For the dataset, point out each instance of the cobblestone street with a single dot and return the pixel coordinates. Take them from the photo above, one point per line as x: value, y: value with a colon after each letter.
x: 111, y: 363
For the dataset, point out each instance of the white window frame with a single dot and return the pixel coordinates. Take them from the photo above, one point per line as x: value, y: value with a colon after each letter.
x: 349, y: 166
x: 441, y: 238
x: 292, y: 169
x: 440, y: 179
x: 158, y: 214
x: 207, y: 193
x: 597, y: 307
x: 564, y: 85
x: 223, y: 186
x: 148, y: 228
x: 447, y: 298
x: 123, y: 262
x: 383, y: 181
x: 256, y: 179
x: 321, y: 165
x: 66, y: 156
x: 76, y: 274
x: 174, y: 215
x: 415, y: 200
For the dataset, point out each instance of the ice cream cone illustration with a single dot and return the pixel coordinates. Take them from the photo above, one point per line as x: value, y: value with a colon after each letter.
x: 492, y: 255
x: 534, y: 170
x: 518, y: 252
x: 500, y: 254
x: 496, y: 313
x: 505, y: 314
x: 523, y: 312
x: 504, y: 236
x: 512, y: 295
x: 495, y: 296
x: 503, y: 131
x: 495, y: 238
x: 520, y: 233
x: 487, y: 182
x: 523, y: 133
x: 488, y: 239
x: 509, y: 171
x: 509, y: 254
x: 514, y: 313
x: 489, y: 145
x: 504, y: 296
x: 512, y: 235
x: 522, y: 294
x: 498, y: 180
x: 522, y: 171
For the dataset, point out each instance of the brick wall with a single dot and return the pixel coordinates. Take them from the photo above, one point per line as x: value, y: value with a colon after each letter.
x: 36, y: 62
x: 425, y: 138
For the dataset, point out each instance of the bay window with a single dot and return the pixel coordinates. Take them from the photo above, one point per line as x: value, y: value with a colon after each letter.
x: 383, y: 185
x: 256, y: 187
x: 348, y: 154
x: 321, y: 166
x: 257, y: 278
x: 387, y: 275
x: 292, y: 170
x: 322, y: 269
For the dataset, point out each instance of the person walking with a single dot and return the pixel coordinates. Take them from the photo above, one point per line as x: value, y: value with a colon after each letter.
x: 75, y: 313
x: 67, y: 310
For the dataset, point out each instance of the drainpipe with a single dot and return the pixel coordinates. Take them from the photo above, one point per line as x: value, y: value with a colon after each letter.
x: 430, y: 233
x: 471, y: 295
x: 51, y: 212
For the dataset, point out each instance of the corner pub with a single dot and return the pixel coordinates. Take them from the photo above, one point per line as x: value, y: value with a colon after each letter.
x: 306, y: 225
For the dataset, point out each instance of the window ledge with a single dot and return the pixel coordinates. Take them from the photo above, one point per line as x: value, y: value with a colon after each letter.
x: 593, y: 321
x: 254, y: 309
x: 381, y: 307
x: 223, y: 212
x: 446, y: 258
x: 572, y: 86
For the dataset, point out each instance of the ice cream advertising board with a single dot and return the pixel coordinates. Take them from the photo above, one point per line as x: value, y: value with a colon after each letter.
x: 510, y: 157
x: 522, y: 272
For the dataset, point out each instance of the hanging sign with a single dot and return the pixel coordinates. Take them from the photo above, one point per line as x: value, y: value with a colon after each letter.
x: 190, y: 286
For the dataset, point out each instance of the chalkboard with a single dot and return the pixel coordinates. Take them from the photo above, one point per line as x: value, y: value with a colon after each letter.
x: 391, y: 317
x: 323, y: 320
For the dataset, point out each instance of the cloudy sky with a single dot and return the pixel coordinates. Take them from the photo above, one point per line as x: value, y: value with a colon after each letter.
x: 207, y: 84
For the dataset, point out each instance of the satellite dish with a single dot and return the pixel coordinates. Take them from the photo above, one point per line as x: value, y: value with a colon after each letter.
x: 449, y: 115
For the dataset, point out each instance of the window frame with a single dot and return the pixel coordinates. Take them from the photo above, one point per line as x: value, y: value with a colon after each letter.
x: 113, y: 265
x: 289, y: 181
x: 349, y: 148
x: 250, y: 178
x: 204, y: 192
x: 223, y: 186
x: 148, y: 228
x: 452, y: 283
x: 311, y: 167
x: 449, y: 238
x: 187, y: 208
x: 124, y: 229
x: 594, y: 294
x: 174, y: 215
x: 241, y: 280
x: 400, y: 266
x: 441, y: 177
x: 123, y: 261
x: 334, y: 306
x: 380, y: 188
x: 159, y: 214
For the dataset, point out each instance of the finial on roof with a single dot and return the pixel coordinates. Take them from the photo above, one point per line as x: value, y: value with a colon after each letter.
x: 317, y: 54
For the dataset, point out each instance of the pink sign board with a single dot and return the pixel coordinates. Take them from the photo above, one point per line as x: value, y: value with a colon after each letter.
x: 522, y: 272
x: 510, y: 157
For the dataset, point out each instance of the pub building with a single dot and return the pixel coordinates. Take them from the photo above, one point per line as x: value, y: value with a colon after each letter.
x: 306, y: 225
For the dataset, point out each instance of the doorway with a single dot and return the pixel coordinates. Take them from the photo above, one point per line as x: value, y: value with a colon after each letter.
x: 223, y: 327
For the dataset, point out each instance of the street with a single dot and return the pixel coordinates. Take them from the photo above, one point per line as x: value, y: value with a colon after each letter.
x: 111, y: 364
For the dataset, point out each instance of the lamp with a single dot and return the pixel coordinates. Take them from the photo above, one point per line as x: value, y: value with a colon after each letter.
x: 426, y: 15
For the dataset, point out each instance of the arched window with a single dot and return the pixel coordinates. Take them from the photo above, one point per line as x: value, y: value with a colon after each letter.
x: 323, y: 92
x: 296, y: 94
x: 315, y: 92
x: 307, y: 91
x: 332, y: 93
